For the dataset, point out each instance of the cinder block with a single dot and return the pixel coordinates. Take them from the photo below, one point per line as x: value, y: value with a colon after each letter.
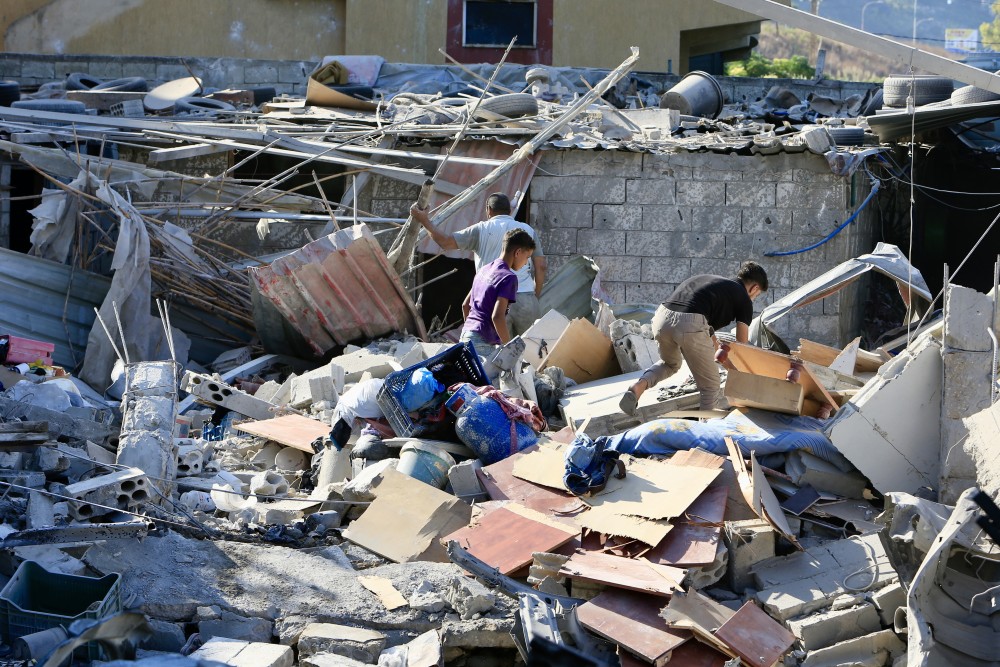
x: 701, y: 193
x: 261, y: 74
x: 750, y: 195
x: 749, y: 542
x: 292, y: 73
x: 650, y: 191
x: 214, y: 391
x: 665, y: 270
x: 666, y: 218
x: 357, y: 363
x: 38, y: 69
x: 583, y: 189
x: 594, y: 241
x: 636, y: 353
x: 649, y: 244
x: 354, y: 643
x: 832, y: 627
x: 550, y: 215
x: 796, y: 598
x: 887, y: 601
x: 465, y: 483
x: 267, y: 391
x: 238, y: 653
x: 121, y: 490
x: 234, y: 626
x: 794, y: 195
x: 190, y: 460
x: 617, y: 217
x: 106, y: 69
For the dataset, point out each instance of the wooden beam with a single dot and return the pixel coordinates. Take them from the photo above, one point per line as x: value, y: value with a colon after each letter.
x: 756, y: 391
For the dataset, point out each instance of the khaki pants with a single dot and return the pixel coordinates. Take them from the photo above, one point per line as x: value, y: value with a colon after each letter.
x: 687, y: 335
x: 522, y: 313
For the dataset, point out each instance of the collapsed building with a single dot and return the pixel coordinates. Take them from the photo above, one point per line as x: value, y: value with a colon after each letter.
x: 174, y: 468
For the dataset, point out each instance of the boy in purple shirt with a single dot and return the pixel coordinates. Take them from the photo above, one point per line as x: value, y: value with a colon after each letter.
x: 495, y: 286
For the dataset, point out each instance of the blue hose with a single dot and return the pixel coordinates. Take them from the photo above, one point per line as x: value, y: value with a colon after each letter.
x: 875, y: 189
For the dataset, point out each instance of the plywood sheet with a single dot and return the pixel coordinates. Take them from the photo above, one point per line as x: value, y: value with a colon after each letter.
x: 290, y: 430
x: 584, y: 353
x: 627, y: 573
x: 632, y: 620
x: 865, y: 362
x: 500, y: 484
x: 751, y: 359
x: 694, y: 540
x: 406, y: 520
x: 701, y: 614
x: 386, y: 592
x: 757, y: 391
x: 755, y: 637
x: 505, y: 539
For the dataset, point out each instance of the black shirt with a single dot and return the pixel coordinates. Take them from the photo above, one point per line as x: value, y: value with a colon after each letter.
x: 720, y: 300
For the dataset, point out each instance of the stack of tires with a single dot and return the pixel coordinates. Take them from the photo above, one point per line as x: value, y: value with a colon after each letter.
x: 924, y: 88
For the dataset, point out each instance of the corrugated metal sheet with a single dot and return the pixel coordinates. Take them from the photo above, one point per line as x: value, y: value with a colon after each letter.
x: 34, y: 303
x: 339, y: 289
x: 569, y: 289
x: 898, y: 124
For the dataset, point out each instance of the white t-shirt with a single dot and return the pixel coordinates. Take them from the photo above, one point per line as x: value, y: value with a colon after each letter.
x: 485, y: 239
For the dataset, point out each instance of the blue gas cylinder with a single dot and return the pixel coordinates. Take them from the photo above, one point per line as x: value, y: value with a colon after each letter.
x: 484, y: 427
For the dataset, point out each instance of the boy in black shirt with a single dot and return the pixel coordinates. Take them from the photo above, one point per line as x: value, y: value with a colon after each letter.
x: 685, y: 324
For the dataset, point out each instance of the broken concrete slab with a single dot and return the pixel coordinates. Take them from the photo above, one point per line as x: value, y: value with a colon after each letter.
x: 878, y: 648
x: 171, y: 576
x: 749, y: 542
x: 832, y: 627
x: 245, y: 654
x: 362, y: 487
x: 808, y: 581
x: 234, y: 626
x: 981, y: 445
x: 355, y: 643
x: 897, y: 449
x: 424, y: 651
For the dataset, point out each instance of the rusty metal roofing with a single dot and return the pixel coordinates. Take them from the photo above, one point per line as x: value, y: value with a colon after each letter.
x: 338, y: 289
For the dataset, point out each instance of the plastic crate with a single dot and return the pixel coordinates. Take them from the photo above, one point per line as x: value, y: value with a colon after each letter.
x: 26, y: 350
x: 35, y: 599
x: 459, y: 363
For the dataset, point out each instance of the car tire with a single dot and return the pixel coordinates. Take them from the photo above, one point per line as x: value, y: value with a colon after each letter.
x: 201, y: 105
x: 847, y: 136
x: 81, y: 81
x: 926, y: 89
x: 513, y: 105
x: 10, y: 92
x: 129, y: 84
x: 972, y: 95
x: 52, y: 106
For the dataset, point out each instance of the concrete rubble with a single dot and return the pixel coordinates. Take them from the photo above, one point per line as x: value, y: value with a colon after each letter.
x: 254, y: 489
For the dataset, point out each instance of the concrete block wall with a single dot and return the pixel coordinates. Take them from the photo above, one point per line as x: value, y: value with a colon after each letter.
x: 650, y: 221
x: 285, y: 76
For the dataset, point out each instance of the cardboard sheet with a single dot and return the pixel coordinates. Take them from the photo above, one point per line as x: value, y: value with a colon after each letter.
x: 694, y: 540
x: 606, y: 520
x: 584, y: 353
x: 630, y: 574
x: 290, y: 430
x: 655, y: 489
x: 386, y: 592
x: 758, y: 492
x: 543, y: 465
x: 505, y: 538
x: 500, y: 484
x: 406, y: 520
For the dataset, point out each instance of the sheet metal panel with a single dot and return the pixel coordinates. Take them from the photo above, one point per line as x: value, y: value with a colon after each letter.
x: 339, y: 289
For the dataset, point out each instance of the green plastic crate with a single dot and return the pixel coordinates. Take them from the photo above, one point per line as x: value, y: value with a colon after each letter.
x: 35, y: 599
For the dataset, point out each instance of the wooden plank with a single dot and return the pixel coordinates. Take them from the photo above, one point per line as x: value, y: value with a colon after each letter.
x: 289, y: 430
x: 584, y: 353
x: 386, y: 592
x: 632, y: 620
x: 750, y: 359
x: 506, y: 539
x: 755, y: 637
x: 848, y: 358
x: 627, y: 573
x: 824, y: 355
x: 757, y: 391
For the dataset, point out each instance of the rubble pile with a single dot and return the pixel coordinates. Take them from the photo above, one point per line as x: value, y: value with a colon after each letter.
x: 374, y: 496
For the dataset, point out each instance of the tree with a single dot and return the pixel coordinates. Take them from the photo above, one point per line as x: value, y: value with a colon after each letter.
x: 757, y: 66
x: 989, y: 33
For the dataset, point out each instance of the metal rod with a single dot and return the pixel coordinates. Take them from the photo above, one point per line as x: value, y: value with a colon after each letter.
x: 121, y: 331
x: 108, y: 334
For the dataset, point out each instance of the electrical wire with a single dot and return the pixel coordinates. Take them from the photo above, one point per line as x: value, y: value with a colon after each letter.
x: 875, y: 188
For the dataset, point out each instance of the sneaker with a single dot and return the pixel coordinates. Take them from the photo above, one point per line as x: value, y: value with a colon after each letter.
x: 629, y: 403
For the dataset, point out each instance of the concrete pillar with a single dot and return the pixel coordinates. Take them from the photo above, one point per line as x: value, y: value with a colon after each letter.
x: 149, y: 407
